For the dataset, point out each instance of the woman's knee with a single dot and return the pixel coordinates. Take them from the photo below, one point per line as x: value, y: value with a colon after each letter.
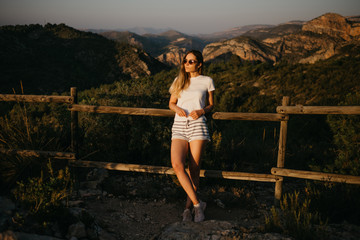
x: 178, y: 166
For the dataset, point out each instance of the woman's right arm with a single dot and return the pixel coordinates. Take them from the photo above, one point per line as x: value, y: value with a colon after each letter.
x: 175, y: 108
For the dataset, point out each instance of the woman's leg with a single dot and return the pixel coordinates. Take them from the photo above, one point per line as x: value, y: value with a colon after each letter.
x: 179, y: 150
x: 196, y: 149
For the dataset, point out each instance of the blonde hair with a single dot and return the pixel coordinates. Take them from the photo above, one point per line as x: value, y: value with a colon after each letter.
x: 182, y: 81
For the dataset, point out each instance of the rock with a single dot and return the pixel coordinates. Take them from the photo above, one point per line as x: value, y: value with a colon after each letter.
x: 103, y: 235
x: 29, y: 236
x: 90, y: 193
x: 219, y: 203
x: 76, y: 211
x: 245, y: 48
x: 90, y: 184
x: 97, y: 174
x: 173, y: 56
x: 56, y: 229
x: 76, y: 203
x: 77, y: 230
x: 197, y: 231
x: 220, y: 230
x: 267, y: 236
x: 6, y: 205
x: 333, y: 25
x: 6, y: 208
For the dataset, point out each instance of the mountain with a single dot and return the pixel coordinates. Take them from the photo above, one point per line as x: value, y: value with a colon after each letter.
x: 231, y: 33
x: 142, y: 30
x: 318, y: 39
x: 168, y: 47
x: 56, y: 57
x: 245, y: 48
x: 275, y: 31
x: 178, y: 45
x: 294, y: 41
x: 136, y: 30
x: 334, y: 25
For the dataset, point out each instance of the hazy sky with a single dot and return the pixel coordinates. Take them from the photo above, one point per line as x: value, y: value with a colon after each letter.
x: 187, y: 16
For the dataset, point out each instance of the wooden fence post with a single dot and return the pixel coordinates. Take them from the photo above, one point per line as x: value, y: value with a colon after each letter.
x: 281, y: 152
x: 74, y: 124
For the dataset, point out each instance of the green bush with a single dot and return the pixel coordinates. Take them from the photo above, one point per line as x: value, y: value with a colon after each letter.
x: 43, y: 196
x: 31, y: 126
x: 296, y: 218
x: 346, y: 137
x: 337, y: 202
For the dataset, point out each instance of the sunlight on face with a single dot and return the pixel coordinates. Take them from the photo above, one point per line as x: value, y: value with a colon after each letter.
x: 190, y: 68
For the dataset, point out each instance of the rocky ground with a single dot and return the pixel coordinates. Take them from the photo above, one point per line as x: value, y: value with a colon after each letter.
x: 133, y: 206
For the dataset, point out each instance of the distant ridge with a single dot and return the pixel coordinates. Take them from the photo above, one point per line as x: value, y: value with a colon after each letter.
x: 137, y: 30
x: 233, y: 32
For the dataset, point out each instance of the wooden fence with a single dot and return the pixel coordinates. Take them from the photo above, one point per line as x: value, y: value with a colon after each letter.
x: 277, y: 173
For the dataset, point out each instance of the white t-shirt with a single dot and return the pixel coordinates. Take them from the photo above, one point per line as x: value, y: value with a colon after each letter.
x: 194, y: 97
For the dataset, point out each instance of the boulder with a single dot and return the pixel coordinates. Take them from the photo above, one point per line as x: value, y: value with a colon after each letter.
x: 77, y: 230
x: 6, y: 208
x: 219, y: 230
x: 196, y: 231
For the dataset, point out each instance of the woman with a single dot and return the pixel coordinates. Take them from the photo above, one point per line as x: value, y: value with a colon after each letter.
x: 191, y: 98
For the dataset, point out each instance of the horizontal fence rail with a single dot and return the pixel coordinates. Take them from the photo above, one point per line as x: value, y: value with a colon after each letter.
x: 122, y: 110
x: 169, y: 171
x: 169, y: 113
x: 329, y: 177
x: 37, y: 153
x: 318, y: 109
x: 36, y: 98
x: 250, y: 116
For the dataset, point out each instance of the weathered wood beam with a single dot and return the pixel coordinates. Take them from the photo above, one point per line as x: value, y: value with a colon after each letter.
x: 170, y: 171
x: 249, y: 116
x: 299, y: 109
x: 37, y: 153
x: 35, y: 98
x: 122, y: 110
x: 316, y: 175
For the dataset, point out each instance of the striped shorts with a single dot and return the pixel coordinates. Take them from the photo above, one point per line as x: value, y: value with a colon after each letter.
x: 190, y: 130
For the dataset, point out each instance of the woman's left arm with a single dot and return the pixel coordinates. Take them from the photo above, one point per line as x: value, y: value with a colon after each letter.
x: 210, y: 100
x: 208, y: 108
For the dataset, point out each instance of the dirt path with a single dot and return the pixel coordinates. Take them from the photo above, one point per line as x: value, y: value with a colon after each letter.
x: 139, y: 207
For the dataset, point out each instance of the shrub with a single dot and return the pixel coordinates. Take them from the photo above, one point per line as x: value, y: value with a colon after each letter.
x: 43, y: 196
x: 295, y: 218
x: 336, y: 201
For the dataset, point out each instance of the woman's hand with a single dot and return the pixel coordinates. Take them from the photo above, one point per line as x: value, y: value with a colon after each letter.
x: 172, y: 105
x: 179, y: 111
x: 197, y: 113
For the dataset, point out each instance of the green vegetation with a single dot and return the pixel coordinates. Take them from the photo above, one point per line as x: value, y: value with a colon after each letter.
x: 305, y: 214
x: 295, y: 218
x: 38, y: 126
x: 42, y: 195
x: 42, y: 198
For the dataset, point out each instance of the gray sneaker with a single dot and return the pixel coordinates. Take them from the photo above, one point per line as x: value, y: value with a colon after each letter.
x: 199, y: 212
x: 187, y: 217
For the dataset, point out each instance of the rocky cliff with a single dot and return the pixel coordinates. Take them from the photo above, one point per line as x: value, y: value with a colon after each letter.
x: 243, y: 47
x: 334, y: 25
x: 168, y: 47
x: 318, y: 39
x: 136, y: 62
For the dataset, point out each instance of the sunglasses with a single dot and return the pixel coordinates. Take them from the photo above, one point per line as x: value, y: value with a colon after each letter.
x: 190, y: 61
